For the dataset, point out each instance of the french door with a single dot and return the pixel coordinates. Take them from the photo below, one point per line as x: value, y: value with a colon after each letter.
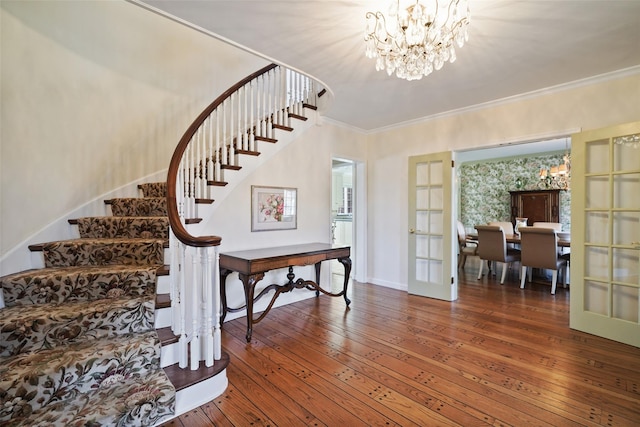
x: 605, y: 230
x: 430, y: 227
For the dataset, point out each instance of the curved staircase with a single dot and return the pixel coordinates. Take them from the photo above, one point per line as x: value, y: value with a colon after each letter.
x: 105, y: 334
x: 78, y: 341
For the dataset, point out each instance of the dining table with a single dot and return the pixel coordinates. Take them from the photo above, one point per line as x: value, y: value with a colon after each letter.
x: 564, y: 239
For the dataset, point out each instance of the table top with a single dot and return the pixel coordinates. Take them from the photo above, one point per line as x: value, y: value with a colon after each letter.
x: 273, y: 252
x: 261, y: 260
x: 515, y: 238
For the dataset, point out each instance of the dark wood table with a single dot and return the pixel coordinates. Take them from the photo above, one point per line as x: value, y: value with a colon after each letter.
x: 515, y: 238
x: 251, y: 266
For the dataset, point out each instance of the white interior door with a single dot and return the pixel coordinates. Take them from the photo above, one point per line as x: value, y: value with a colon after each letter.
x: 605, y: 233
x: 430, y: 227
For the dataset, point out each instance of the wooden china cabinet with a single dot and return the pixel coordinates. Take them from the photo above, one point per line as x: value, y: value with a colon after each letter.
x: 535, y: 205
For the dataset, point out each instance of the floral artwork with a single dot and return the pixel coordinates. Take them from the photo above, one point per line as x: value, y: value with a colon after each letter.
x: 273, y: 208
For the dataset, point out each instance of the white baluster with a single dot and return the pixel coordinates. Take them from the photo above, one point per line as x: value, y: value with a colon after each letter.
x: 229, y: 142
x: 239, y: 142
x: 217, y: 146
x: 223, y: 141
x: 216, y: 305
x: 261, y: 112
x: 208, y: 261
x: 194, y: 296
x: 252, y: 140
x: 232, y: 116
x: 210, y: 153
x: 183, y: 348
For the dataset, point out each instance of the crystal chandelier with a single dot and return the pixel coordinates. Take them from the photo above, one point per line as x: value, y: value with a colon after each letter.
x: 413, y: 40
x: 628, y: 140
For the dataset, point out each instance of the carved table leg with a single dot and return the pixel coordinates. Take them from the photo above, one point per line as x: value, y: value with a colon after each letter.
x: 249, y: 283
x: 318, y: 265
x: 223, y: 293
x: 346, y: 262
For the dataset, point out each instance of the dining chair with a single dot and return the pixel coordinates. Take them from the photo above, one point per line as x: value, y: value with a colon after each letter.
x: 492, y: 246
x: 506, y: 226
x: 465, y: 248
x: 539, y: 246
x: 555, y: 225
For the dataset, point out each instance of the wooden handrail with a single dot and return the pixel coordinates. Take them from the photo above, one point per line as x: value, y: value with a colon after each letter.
x: 172, y: 175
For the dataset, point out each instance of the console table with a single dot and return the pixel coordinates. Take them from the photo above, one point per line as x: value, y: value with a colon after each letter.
x: 251, y: 266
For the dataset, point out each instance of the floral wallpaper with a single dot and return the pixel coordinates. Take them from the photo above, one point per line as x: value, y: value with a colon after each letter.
x: 484, y: 188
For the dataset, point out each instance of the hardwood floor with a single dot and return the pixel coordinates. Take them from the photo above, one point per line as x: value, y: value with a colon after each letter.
x: 497, y: 356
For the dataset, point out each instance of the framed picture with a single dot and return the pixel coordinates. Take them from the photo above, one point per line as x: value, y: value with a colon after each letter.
x: 273, y: 208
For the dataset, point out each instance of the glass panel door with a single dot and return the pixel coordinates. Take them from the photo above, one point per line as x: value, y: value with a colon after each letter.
x: 430, y: 227
x: 605, y: 247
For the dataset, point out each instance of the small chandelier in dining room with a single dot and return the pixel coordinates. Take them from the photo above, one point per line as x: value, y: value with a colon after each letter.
x: 558, y: 177
x: 415, y: 37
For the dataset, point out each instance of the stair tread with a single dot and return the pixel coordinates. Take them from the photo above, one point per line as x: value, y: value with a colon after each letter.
x: 104, y: 361
x: 167, y: 336
x: 96, y: 240
x: 78, y: 283
x: 160, y: 270
x: 117, y: 404
x: 48, y: 325
x: 183, y: 378
x: 101, y: 251
x: 163, y: 301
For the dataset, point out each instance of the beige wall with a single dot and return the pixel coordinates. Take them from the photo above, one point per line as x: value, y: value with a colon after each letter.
x: 95, y: 95
x: 582, y: 107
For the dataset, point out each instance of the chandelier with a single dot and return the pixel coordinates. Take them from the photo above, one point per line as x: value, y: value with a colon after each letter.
x: 413, y: 40
x: 628, y: 140
x: 558, y: 177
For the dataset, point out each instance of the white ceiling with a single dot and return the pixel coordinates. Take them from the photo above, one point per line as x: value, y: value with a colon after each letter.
x: 514, y: 48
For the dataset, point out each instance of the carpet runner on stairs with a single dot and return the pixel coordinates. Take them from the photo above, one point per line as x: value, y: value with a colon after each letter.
x: 77, y: 340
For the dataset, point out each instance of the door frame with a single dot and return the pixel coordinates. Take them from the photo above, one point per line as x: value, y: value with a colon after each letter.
x: 359, y: 248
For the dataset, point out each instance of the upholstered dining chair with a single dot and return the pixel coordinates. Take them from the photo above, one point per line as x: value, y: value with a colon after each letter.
x: 492, y: 246
x: 465, y: 248
x: 539, y: 247
x: 555, y: 225
x: 506, y: 226
x: 508, y: 229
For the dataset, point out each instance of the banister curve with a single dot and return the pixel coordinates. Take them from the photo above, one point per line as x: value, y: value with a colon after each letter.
x: 178, y: 228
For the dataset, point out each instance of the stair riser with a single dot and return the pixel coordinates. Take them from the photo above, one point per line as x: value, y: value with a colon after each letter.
x: 163, y: 283
x: 38, y: 260
x: 134, y: 402
x: 70, y: 285
x: 150, y: 206
x: 42, y: 327
x: 153, y: 189
x: 162, y: 317
x: 201, y: 393
x: 61, y: 373
x: 169, y: 355
x: 123, y: 227
x: 95, y: 252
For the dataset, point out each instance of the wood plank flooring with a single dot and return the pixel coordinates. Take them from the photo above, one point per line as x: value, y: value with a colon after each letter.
x: 497, y: 356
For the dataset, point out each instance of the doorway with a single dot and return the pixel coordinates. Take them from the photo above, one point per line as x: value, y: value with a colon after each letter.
x: 343, y: 200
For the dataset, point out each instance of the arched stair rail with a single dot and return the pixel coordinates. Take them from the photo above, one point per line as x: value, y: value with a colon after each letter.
x: 231, y: 126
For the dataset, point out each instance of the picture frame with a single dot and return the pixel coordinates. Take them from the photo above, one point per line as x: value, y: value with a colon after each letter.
x: 273, y: 208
